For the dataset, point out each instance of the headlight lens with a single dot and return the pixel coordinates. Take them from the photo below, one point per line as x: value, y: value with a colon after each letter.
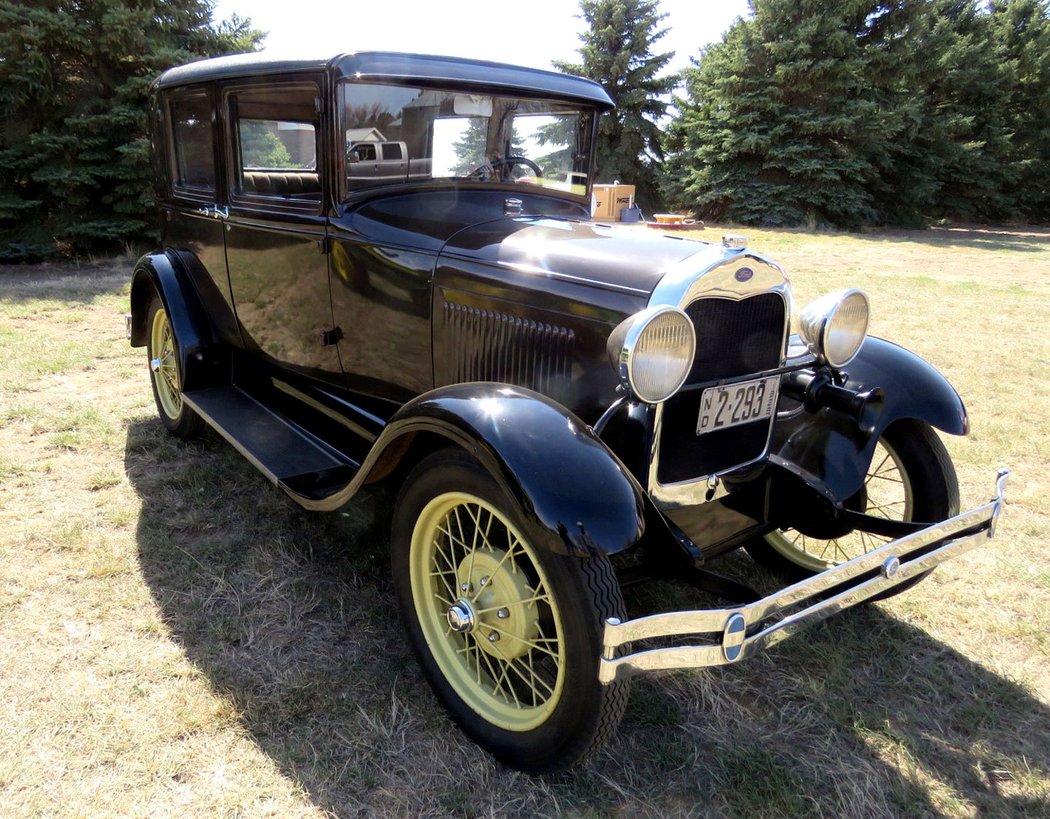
x: 653, y: 351
x: 834, y: 326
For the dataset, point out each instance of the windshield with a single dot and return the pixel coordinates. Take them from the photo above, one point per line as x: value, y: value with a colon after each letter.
x: 396, y: 133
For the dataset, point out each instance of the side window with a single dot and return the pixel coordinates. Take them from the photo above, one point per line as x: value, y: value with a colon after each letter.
x: 392, y: 151
x: 193, y: 149
x: 362, y: 152
x: 275, y: 146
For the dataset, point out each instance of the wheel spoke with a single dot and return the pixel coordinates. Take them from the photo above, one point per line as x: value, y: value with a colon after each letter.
x: 533, y: 646
x: 873, y: 472
x: 538, y: 598
x: 886, y: 478
x: 512, y: 663
x: 462, y: 540
x: 439, y: 552
x: 473, y: 545
x: 499, y: 566
x: 497, y: 679
x: 535, y: 678
x: 887, y: 505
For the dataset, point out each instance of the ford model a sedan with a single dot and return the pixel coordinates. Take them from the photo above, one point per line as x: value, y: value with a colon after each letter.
x: 381, y: 268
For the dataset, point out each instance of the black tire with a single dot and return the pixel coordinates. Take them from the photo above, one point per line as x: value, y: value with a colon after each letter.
x: 570, y: 712
x: 929, y: 488
x: 165, y: 377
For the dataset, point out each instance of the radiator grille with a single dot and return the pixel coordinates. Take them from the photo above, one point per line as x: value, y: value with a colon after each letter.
x: 733, y: 338
x: 736, y: 337
x: 485, y: 345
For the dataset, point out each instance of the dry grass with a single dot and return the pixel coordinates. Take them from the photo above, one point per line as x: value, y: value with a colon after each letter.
x: 176, y: 638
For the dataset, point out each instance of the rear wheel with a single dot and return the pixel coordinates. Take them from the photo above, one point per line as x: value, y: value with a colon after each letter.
x: 911, y: 478
x: 508, y: 634
x: 163, y: 356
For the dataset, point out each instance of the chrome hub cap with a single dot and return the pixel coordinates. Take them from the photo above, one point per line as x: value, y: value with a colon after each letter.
x: 461, y: 617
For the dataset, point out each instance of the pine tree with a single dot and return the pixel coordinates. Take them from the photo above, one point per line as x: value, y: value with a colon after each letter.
x: 868, y: 111
x: 74, y: 82
x: 1022, y: 28
x: 470, y: 147
x: 783, y: 121
x: 617, y: 53
x: 962, y: 141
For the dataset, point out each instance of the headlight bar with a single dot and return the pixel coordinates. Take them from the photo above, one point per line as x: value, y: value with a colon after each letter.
x: 744, y: 630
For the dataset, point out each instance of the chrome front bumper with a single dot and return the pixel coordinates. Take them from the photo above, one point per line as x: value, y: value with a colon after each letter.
x: 746, y: 630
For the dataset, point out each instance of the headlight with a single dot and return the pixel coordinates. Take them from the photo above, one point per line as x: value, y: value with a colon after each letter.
x: 652, y: 352
x: 834, y: 326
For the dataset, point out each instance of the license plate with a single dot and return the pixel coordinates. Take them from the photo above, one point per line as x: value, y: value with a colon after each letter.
x: 724, y: 407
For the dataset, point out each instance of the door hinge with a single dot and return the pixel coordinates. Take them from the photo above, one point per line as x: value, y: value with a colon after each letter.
x: 330, y: 337
x: 324, y: 246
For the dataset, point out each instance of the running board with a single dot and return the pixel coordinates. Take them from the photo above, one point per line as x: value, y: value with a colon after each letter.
x: 287, y: 455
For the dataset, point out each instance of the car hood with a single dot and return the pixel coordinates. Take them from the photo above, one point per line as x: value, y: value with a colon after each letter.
x: 625, y: 258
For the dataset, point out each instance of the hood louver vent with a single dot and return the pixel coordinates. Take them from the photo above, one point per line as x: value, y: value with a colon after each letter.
x: 484, y: 345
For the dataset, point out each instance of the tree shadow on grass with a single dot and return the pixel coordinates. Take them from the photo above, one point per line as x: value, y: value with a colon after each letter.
x: 1022, y: 240
x: 66, y: 282
x: 291, y: 616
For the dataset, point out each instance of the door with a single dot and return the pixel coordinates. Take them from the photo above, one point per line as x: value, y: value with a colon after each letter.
x: 190, y: 213
x: 276, y: 225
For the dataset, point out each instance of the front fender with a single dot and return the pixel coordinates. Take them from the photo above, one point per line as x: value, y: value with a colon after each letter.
x: 828, y: 451
x: 575, y: 496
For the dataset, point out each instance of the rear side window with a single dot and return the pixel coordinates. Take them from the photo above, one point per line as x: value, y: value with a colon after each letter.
x: 275, y: 151
x: 277, y: 145
x: 392, y: 150
x: 193, y: 148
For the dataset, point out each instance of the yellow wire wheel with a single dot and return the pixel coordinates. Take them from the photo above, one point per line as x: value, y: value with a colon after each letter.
x: 162, y: 350
x: 486, y: 611
x: 507, y: 632
x: 887, y: 492
x: 910, y: 478
x: 164, y: 365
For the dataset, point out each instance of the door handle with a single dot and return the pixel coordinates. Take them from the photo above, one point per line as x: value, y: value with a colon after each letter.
x: 216, y: 211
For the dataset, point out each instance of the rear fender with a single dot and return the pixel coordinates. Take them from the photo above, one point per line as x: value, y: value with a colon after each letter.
x: 203, y: 361
x: 828, y: 451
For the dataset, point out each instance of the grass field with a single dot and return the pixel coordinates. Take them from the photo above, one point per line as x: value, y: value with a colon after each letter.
x: 177, y: 638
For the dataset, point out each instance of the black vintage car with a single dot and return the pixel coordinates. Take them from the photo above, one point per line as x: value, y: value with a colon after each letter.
x: 381, y: 268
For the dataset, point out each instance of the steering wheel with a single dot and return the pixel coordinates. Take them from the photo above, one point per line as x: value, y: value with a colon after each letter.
x: 487, y: 170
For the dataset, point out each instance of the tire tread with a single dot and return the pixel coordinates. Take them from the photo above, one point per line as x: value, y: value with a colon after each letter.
x: 604, y: 587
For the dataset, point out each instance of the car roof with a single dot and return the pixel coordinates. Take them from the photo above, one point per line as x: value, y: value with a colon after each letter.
x: 392, y: 66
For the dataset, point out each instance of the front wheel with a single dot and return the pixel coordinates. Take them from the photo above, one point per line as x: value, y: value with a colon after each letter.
x: 508, y: 634
x: 911, y: 478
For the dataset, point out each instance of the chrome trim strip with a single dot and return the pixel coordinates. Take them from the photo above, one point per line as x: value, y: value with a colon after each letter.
x: 357, y: 429
x: 955, y: 536
x: 681, y: 285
